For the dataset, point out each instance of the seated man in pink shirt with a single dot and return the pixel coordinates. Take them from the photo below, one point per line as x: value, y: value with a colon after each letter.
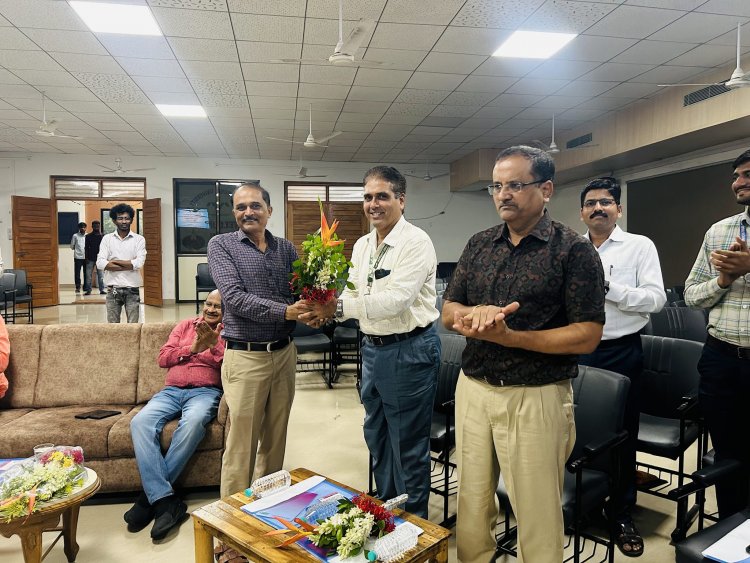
x: 193, y: 355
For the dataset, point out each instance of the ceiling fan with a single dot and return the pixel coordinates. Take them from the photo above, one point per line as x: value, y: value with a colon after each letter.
x: 426, y: 176
x: 49, y: 128
x: 738, y: 79
x: 344, y: 52
x: 118, y: 169
x: 302, y: 173
x: 311, y: 141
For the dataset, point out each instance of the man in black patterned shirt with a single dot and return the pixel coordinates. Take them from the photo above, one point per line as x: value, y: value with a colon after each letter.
x: 529, y: 296
x: 251, y: 268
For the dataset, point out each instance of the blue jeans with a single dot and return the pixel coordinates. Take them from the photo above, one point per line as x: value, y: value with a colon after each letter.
x: 89, y: 273
x: 197, y: 407
x: 398, y: 392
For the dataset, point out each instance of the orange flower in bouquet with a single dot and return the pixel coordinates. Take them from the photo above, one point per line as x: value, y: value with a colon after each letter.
x: 321, y: 272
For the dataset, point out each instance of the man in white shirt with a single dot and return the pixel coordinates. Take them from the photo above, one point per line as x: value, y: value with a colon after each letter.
x: 394, y: 297
x: 121, y: 257
x: 78, y: 246
x: 634, y: 288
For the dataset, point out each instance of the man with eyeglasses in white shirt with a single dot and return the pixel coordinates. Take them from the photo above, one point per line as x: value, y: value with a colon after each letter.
x: 633, y: 289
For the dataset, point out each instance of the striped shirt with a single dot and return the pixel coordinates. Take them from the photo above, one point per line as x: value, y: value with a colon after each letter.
x: 729, y: 319
x: 254, y: 285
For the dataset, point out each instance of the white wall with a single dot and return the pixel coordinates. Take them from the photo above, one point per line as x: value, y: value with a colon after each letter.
x: 465, y: 213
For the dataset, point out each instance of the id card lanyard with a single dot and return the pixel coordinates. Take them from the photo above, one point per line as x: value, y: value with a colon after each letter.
x: 374, y: 263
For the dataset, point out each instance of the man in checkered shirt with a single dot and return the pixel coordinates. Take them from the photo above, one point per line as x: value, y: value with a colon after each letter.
x: 719, y: 281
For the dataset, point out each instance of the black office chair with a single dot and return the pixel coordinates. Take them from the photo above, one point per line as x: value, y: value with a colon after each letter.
x: 8, y: 296
x: 347, y: 348
x: 315, y: 341
x: 689, y: 549
x: 24, y: 296
x: 599, y: 397
x: 445, y: 270
x: 679, y: 322
x: 670, y: 422
x: 204, y: 283
x: 443, y: 428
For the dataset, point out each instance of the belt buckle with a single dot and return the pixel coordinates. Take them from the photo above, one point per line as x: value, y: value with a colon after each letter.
x: 377, y: 340
x: 268, y: 347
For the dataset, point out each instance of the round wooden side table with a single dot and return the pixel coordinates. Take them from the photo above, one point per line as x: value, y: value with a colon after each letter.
x: 47, y: 519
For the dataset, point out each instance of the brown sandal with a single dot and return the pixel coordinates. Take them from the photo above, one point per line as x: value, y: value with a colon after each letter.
x: 225, y: 554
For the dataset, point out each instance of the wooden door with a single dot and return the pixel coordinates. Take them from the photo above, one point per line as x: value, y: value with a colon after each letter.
x: 35, y: 246
x: 152, y: 288
x: 303, y: 218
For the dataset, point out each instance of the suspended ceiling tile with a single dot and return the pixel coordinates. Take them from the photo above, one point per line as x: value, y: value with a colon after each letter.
x: 569, y: 70
x: 158, y: 84
x: 276, y: 8
x: 164, y: 68
x: 515, y: 100
x: 227, y: 112
x: 384, y: 78
x: 470, y: 40
x: 632, y: 90
x: 138, y: 46
x: 561, y: 102
x: 204, y: 70
x: 48, y: 78
x: 539, y: 86
x: 401, y: 119
x: 451, y: 63
x: 412, y: 96
x: 28, y: 60
x: 397, y: 59
x: 326, y: 32
x: 493, y: 84
x: 353, y: 9
x: 276, y: 102
x: 327, y: 74
x: 421, y: 110
x: 407, y: 11
x: 435, y: 81
x: 469, y: 98
x: 7, y: 77
x: 277, y: 29
x: 503, y: 66
x: 220, y: 5
x: 509, y: 14
x: 232, y: 101
x: 707, y: 55
x: 203, y: 24
x: 594, y: 48
x: 41, y: 14
x: 174, y: 98
x: 373, y: 93
x: 653, y: 52
x: 563, y: 16
x: 271, y: 88
x: 616, y: 72
x: 353, y: 117
x: 270, y: 72
x: 112, y: 87
x: 322, y: 104
x: 72, y: 94
x: 131, y: 110
x: 444, y: 110
x: 406, y: 36
x: 586, y: 88
x: 667, y: 74
x: 8, y: 91
x: 354, y: 127
x: 497, y: 112
x: 263, y: 52
x: 698, y: 27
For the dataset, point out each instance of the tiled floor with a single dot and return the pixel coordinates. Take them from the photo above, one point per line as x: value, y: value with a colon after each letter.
x: 324, y: 435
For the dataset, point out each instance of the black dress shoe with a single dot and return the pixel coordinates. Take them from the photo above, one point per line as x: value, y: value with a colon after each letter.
x: 139, y: 515
x: 170, y: 512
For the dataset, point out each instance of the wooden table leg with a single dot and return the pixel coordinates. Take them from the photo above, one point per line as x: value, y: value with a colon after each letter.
x: 70, y: 526
x: 204, y: 544
x: 31, y: 544
x: 442, y: 555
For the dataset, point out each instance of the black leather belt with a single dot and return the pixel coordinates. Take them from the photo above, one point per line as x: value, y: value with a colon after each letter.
x: 258, y: 346
x: 627, y: 340
x: 392, y: 338
x: 741, y: 352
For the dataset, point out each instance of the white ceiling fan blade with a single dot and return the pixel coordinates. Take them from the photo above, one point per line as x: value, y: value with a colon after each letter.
x: 66, y: 136
x: 704, y: 84
x: 106, y: 168
x: 356, y: 37
x: 439, y: 175
x: 412, y: 175
x: 285, y: 140
x: 328, y: 138
x: 315, y: 176
x: 139, y: 169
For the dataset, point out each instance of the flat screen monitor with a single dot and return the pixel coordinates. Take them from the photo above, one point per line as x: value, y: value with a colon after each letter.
x: 192, y: 218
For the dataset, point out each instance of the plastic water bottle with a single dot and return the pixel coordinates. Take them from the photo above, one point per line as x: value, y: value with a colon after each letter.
x: 395, y: 502
x: 273, y: 483
x: 391, y: 547
x: 323, y: 509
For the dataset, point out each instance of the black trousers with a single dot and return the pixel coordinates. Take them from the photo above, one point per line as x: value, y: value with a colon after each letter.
x: 79, y: 267
x: 724, y: 397
x: 624, y: 356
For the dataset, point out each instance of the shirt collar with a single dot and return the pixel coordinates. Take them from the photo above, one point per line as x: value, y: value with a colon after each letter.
x: 270, y: 239
x: 542, y: 230
x: 617, y: 234
x: 130, y: 233
x: 395, y: 237
x: 746, y: 216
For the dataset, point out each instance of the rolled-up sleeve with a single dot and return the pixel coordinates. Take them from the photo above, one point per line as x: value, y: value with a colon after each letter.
x: 140, y: 253
x: 102, y: 259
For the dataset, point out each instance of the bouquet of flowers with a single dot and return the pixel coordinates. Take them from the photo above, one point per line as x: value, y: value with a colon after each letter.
x: 321, y: 271
x: 346, y: 531
x: 55, y: 474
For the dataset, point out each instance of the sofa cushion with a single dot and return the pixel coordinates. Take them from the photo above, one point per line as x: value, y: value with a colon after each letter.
x: 10, y: 415
x: 150, y: 376
x: 88, y: 364
x: 121, y: 445
x: 59, y: 426
x: 23, y: 367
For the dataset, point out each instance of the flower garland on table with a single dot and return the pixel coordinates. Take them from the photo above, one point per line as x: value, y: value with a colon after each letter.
x: 346, y: 531
x: 26, y: 485
x: 321, y: 272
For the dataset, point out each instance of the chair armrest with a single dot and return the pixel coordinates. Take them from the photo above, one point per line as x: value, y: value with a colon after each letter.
x: 595, y: 449
x: 688, y: 405
x: 705, y: 477
x: 450, y: 403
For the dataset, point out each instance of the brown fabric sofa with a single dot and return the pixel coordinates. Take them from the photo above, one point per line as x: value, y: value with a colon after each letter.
x: 58, y: 371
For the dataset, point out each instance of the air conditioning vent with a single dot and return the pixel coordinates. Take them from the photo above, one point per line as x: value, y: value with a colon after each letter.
x: 578, y: 141
x: 704, y: 94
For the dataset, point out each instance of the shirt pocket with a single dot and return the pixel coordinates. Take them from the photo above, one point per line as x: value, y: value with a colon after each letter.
x: 625, y: 275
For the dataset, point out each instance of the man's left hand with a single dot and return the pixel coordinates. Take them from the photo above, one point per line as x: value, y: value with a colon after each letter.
x: 734, y: 262
x: 486, y: 322
x: 205, y: 337
x: 319, y: 313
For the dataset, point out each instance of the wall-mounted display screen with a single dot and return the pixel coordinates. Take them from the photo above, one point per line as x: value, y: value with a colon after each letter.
x: 193, y: 218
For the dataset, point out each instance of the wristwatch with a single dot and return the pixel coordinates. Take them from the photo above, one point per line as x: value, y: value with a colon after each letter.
x: 339, y: 309
x: 606, y: 287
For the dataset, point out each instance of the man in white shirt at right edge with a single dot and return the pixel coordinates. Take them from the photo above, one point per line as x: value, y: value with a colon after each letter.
x: 633, y: 289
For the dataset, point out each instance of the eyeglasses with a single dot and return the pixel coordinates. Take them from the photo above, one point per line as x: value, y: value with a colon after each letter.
x: 513, y: 187
x: 604, y: 202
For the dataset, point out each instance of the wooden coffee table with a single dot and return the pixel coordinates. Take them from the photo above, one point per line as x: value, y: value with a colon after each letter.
x: 47, y: 519
x: 225, y: 521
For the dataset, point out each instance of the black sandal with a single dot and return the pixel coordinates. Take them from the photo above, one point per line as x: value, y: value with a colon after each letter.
x: 628, y: 539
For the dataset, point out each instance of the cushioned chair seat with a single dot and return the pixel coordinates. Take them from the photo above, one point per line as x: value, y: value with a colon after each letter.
x: 661, y: 436
x: 345, y: 335
x: 439, y: 433
x: 689, y: 550
x: 312, y: 343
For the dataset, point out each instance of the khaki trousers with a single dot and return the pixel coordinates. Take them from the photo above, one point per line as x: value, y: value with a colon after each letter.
x: 528, y: 434
x: 259, y: 389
